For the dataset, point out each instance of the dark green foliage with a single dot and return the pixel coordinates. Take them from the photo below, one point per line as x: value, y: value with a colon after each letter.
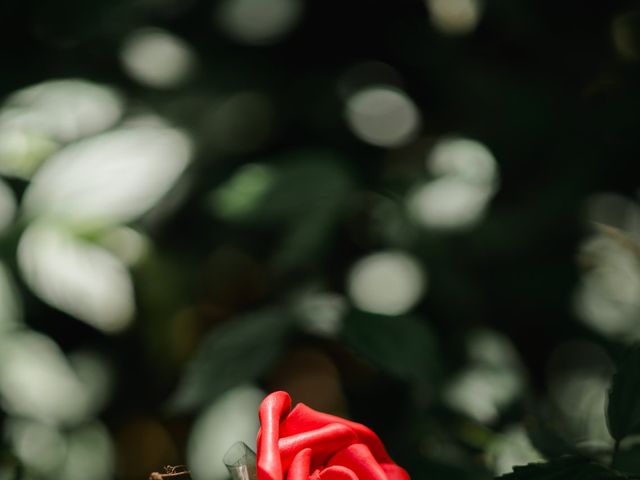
x: 623, y: 410
x: 627, y: 459
x: 566, y: 468
x: 234, y: 353
x: 550, y: 88
x: 545, y: 438
x: 402, y: 346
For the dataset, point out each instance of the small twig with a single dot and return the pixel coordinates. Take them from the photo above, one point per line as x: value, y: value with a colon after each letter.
x: 614, y: 455
x: 170, y: 472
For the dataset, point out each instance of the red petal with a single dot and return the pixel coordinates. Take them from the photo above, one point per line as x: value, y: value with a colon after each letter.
x: 395, y: 472
x: 337, y: 473
x: 299, y: 469
x: 303, y: 418
x: 323, y: 441
x: 358, y: 458
x: 272, y: 409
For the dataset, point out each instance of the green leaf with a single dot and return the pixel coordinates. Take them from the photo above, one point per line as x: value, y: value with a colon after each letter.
x: 234, y: 353
x: 403, y: 346
x: 546, y: 439
x: 628, y: 460
x: 623, y: 410
x: 566, y: 468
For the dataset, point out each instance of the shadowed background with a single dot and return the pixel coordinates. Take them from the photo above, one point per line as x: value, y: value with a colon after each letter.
x: 417, y: 214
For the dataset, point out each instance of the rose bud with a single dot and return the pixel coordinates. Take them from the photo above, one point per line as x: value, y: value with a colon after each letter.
x: 303, y: 444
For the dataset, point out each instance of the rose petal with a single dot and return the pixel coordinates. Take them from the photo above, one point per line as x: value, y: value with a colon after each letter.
x: 272, y: 409
x: 358, y: 458
x: 395, y: 472
x: 337, y: 472
x: 315, y: 475
x: 323, y: 441
x: 299, y: 469
x: 303, y: 418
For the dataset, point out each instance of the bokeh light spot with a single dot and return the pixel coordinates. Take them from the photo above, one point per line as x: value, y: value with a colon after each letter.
x: 257, y: 22
x: 382, y: 116
x: 231, y: 418
x: 39, y: 446
x: 464, y: 158
x: 388, y: 282
x: 63, y: 110
x: 157, y: 58
x: 511, y: 448
x: 110, y: 178
x: 608, y: 295
x: 77, y: 277
x: 448, y: 204
x: 578, y: 382
x: 625, y: 33
x: 455, y: 17
x: 36, y: 380
x: 22, y: 151
x: 90, y: 454
x: 492, y: 380
x: 612, y: 210
x: 466, y: 178
x: 321, y: 313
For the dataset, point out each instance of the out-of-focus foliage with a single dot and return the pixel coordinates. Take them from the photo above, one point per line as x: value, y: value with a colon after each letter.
x: 420, y: 214
x: 623, y: 408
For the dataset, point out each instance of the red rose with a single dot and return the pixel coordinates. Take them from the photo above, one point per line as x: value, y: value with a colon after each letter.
x: 302, y: 444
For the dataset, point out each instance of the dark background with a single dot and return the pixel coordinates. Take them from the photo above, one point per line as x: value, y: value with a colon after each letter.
x: 550, y: 88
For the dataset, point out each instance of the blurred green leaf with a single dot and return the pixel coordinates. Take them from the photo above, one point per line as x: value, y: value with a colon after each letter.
x: 305, y: 199
x: 302, y: 194
x: 237, y: 352
x: 628, y: 459
x: 438, y: 469
x: 108, y: 179
x: 511, y: 447
x: 241, y: 194
x: 570, y: 468
x: 403, y: 346
x: 308, y: 183
x: 623, y: 410
x: 546, y: 439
